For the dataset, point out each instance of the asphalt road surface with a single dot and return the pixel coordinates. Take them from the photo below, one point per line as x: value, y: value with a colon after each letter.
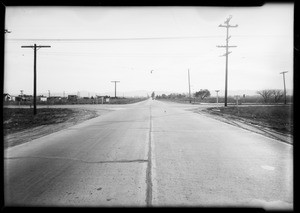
x: 151, y: 153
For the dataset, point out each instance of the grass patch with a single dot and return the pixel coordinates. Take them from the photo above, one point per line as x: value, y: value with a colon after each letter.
x: 279, y: 118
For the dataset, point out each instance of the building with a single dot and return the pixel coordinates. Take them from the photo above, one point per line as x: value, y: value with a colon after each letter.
x: 72, y: 97
x: 54, y: 98
x: 102, y: 99
x: 26, y: 97
x: 6, y: 97
x: 43, y: 98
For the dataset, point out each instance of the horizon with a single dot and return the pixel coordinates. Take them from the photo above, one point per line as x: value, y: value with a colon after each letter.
x: 143, y: 93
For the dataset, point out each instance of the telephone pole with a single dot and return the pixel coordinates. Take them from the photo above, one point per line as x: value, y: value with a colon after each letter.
x: 217, y: 96
x: 189, y: 85
x: 284, y: 85
x: 115, y: 87
x: 227, y: 52
x: 35, y: 47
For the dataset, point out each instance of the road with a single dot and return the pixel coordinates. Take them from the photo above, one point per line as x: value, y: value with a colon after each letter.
x: 151, y: 153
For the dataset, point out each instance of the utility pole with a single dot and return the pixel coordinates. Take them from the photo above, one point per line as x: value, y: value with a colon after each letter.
x: 115, y: 87
x: 189, y: 85
x: 217, y: 96
x: 284, y: 85
x: 227, y: 52
x: 34, y: 73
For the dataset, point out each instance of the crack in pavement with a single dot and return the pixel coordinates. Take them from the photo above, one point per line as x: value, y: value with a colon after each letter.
x: 75, y: 159
x: 148, y: 171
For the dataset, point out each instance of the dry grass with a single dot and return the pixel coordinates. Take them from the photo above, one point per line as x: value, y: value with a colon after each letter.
x: 19, y: 119
x: 279, y: 118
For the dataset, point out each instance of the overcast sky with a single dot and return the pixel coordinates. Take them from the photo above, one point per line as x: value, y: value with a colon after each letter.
x: 92, y: 46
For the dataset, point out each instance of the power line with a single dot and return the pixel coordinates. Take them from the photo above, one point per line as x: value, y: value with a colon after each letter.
x: 227, y: 52
x: 129, y: 39
x: 110, y: 39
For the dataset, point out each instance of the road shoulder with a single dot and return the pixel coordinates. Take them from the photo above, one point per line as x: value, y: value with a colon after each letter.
x: 246, y: 124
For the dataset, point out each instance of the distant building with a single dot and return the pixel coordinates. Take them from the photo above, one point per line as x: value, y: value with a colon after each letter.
x: 26, y: 97
x: 18, y: 98
x: 43, y: 98
x: 13, y: 98
x: 54, y: 98
x: 72, y: 97
x: 6, y: 97
x: 103, y: 99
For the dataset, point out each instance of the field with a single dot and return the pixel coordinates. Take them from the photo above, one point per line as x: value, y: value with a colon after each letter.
x: 278, y: 118
x: 20, y: 125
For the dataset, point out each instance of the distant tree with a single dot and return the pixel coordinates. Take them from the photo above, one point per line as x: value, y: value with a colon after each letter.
x: 266, y: 94
x: 203, y: 93
x: 163, y: 96
x: 153, y: 95
x: 277, y: 94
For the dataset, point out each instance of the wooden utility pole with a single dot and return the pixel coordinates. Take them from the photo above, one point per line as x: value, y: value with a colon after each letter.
x: 284, y: 85
x: 217, y: 96
x: 189, y: 85
x: 227, y: 52
x: 34, y: 73
x: 115, y: 87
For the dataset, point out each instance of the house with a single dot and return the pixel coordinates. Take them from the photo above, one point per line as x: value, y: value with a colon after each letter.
x: 6, y: 97
x: 43, y: 98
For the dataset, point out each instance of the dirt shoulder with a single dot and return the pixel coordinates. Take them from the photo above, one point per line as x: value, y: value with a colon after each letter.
x: 20, y: 126
x: 260, y: 126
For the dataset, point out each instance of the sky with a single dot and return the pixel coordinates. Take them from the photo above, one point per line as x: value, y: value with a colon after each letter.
x: 92, y: 46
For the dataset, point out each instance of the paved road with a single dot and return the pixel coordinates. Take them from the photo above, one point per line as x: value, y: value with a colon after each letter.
x: 151, y: 153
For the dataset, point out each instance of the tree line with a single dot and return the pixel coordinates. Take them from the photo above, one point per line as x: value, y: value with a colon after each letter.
x: 204, y: 95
